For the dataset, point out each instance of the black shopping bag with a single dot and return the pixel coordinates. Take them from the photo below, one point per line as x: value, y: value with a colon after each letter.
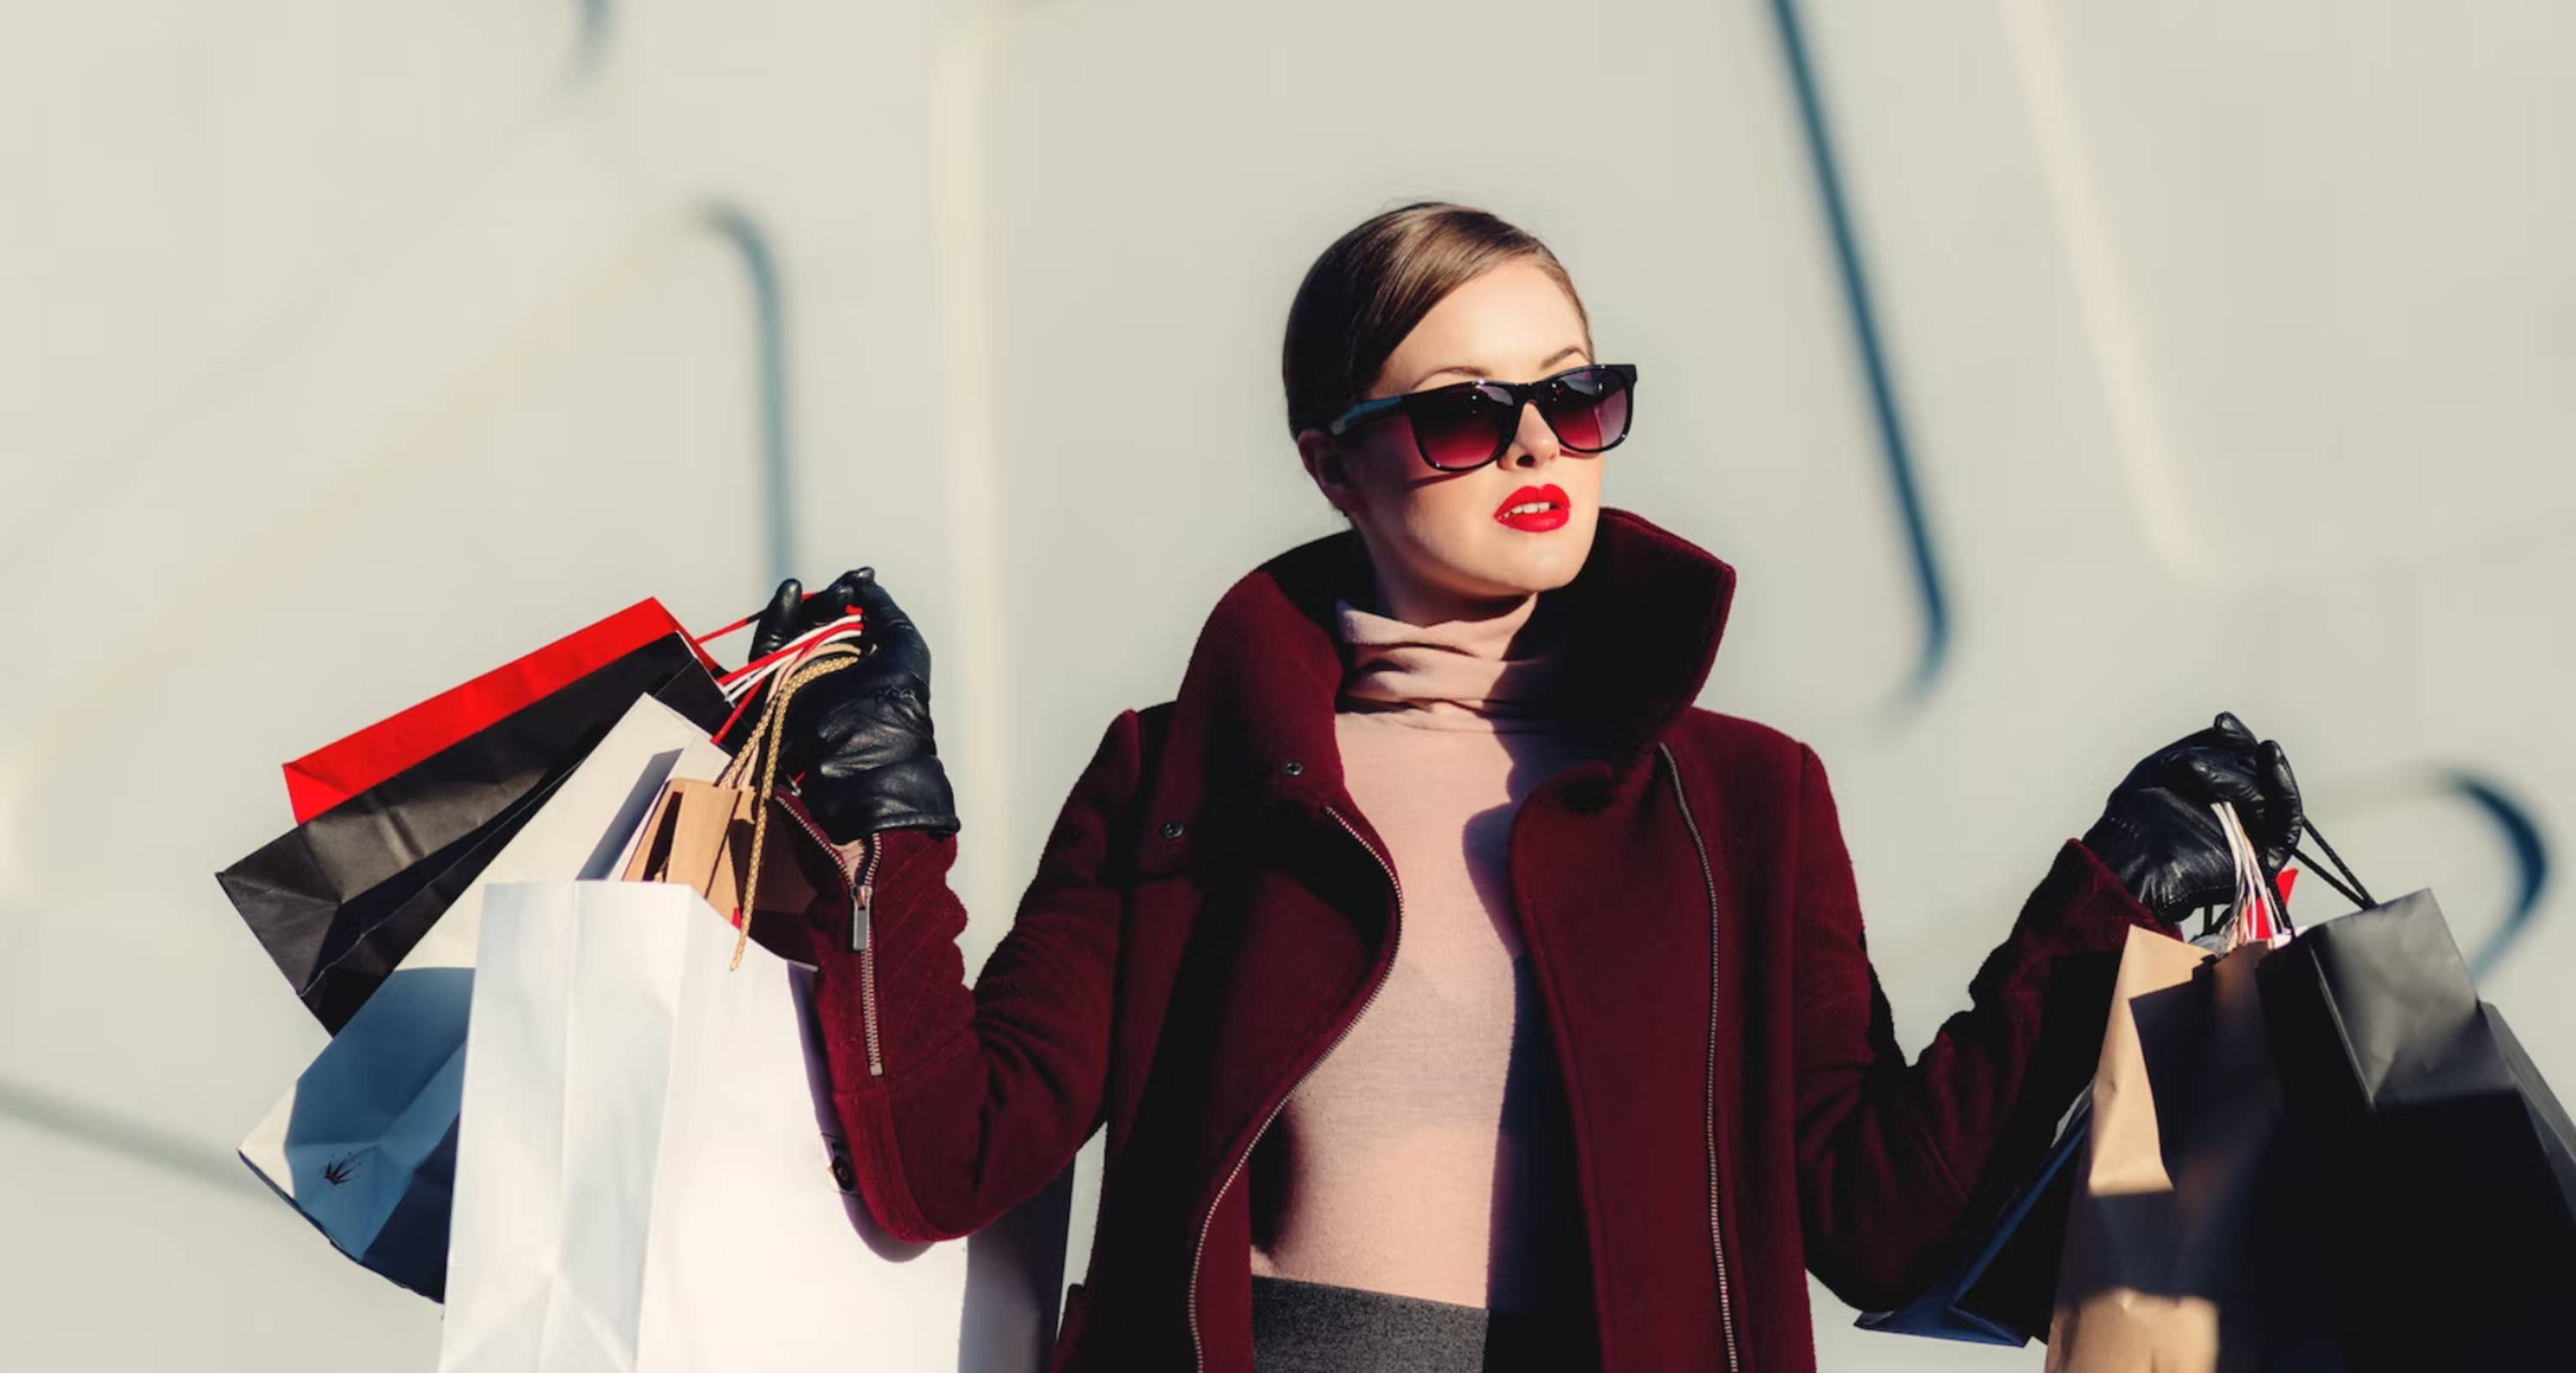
x: 340, y: 899
x: 2440, y: 1169
x: 2001, y: 1288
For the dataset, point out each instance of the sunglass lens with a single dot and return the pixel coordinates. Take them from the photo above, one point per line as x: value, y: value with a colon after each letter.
x: 1588, y: 409
x: 1457, y: 427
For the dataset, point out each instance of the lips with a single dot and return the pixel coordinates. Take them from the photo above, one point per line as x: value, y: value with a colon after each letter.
x: 1557, y: 509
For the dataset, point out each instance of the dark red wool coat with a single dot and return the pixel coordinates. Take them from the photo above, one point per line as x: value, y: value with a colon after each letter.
x: 1211, y: 911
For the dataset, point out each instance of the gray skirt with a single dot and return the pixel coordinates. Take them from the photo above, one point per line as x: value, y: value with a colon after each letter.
x: 1316, y: 1327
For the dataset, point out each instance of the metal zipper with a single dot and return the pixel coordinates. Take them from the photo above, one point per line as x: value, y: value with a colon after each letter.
x: 1716, y: 1239
x: 1198, y: 1346
x: 862, y: 891
x: 863, y: 897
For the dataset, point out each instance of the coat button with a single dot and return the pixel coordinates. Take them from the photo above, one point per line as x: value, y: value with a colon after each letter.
x: 1292, y: 768
x: 1171, y: 829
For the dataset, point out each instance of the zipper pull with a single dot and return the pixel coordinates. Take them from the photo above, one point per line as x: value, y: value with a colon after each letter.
x: 863, y: 889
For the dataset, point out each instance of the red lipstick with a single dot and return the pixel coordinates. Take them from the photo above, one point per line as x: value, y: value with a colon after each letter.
x: 1556, y: 512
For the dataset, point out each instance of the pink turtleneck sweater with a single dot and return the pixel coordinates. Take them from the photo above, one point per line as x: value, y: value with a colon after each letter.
x: 1427, y: 1154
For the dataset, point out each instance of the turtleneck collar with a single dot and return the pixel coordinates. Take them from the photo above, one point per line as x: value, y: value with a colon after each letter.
x: 1649, y: 609
x: 1511, y: 665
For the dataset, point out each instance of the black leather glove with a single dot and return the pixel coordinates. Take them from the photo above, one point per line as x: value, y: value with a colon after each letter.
x: 2159, y: 835
x: 860, y: 737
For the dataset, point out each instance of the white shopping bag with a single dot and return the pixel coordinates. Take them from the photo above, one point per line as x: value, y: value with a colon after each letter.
x: 363, y: 1144
x: 647, y: 1184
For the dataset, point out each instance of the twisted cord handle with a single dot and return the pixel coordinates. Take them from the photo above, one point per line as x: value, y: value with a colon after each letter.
x: 762, y: 750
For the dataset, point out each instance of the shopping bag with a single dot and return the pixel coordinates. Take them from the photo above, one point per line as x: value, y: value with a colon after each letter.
x: 717, y: 837
x: 2182, y: 1247
x: 2443, y: 1167
x: 647, y: 1183
x: 363, y: 1143
x: 2002, y: 1289
x: 340, y: 899
x: 334, y: 773
x: 1987, y: 1296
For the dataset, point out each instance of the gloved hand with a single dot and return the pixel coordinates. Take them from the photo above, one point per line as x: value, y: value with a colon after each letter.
x: 2158, y: 833
x: 860, y: 738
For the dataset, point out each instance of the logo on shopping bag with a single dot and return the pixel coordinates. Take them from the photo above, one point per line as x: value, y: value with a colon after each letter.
x: 340, y: 1170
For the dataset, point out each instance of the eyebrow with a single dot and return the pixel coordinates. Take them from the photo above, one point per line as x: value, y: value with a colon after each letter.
x: 1569, y: 350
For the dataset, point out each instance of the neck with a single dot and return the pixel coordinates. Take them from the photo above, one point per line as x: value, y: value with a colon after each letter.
x: 1399, y: 595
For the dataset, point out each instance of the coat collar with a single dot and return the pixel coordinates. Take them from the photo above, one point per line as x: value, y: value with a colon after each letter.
x: 1256, y: 703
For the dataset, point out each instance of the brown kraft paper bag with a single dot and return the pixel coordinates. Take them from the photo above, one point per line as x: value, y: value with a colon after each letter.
x: 739, y: 841
x: 2181, y: 1247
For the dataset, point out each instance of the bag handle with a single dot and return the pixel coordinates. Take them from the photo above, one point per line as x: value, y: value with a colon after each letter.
x: 738, y: 684
x: 762, y: 750
x: 2247, y: 856
x: 712, y: 635
x: 2357, y: 894
x: 2256, y: 913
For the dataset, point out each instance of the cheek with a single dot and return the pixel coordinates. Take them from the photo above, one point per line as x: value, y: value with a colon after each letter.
x: 1455, y: 507
x: 1382, y: 462
x: 1579, y: 475
x: 1587, y: 504
x: 1393, y: 506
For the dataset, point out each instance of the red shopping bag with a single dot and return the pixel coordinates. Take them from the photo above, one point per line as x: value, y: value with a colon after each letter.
x: 335, y: 772
x: 332, y: 774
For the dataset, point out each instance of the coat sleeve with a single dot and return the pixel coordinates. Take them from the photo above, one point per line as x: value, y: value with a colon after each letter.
x: 971, y: 1101
x: 1896, y: 1159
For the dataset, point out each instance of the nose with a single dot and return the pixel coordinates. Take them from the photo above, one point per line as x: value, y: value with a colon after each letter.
x: 1534, y: 445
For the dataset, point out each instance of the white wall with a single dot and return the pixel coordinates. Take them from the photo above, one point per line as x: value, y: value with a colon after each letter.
x: 354, y: 349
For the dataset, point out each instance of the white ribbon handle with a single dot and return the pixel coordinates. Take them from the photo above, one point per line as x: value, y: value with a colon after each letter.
x: 2253, y: 916
x: 747, y: 679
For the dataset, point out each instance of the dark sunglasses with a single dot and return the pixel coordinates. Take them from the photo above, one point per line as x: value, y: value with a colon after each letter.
x: 1462, y: 427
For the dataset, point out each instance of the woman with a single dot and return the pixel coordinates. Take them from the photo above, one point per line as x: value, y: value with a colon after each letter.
x: 1455, y: 993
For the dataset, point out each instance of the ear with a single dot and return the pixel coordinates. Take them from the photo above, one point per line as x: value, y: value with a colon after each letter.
x: 1329, y: 468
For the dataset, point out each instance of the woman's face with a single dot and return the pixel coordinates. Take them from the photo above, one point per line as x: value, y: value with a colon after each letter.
x: 1438, y: 540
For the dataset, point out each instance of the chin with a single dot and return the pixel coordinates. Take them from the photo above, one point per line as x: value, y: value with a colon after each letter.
x: 1543, y: 562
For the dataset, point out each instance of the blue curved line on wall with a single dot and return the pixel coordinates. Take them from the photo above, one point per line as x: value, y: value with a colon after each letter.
x: 750, y: 243
x: 2531, y: 859
x: 590, y: 41
x: 1893, y: 446
x: 133, y: 1140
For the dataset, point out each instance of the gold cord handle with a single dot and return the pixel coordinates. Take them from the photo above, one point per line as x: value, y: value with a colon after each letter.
x: 763, y: 746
